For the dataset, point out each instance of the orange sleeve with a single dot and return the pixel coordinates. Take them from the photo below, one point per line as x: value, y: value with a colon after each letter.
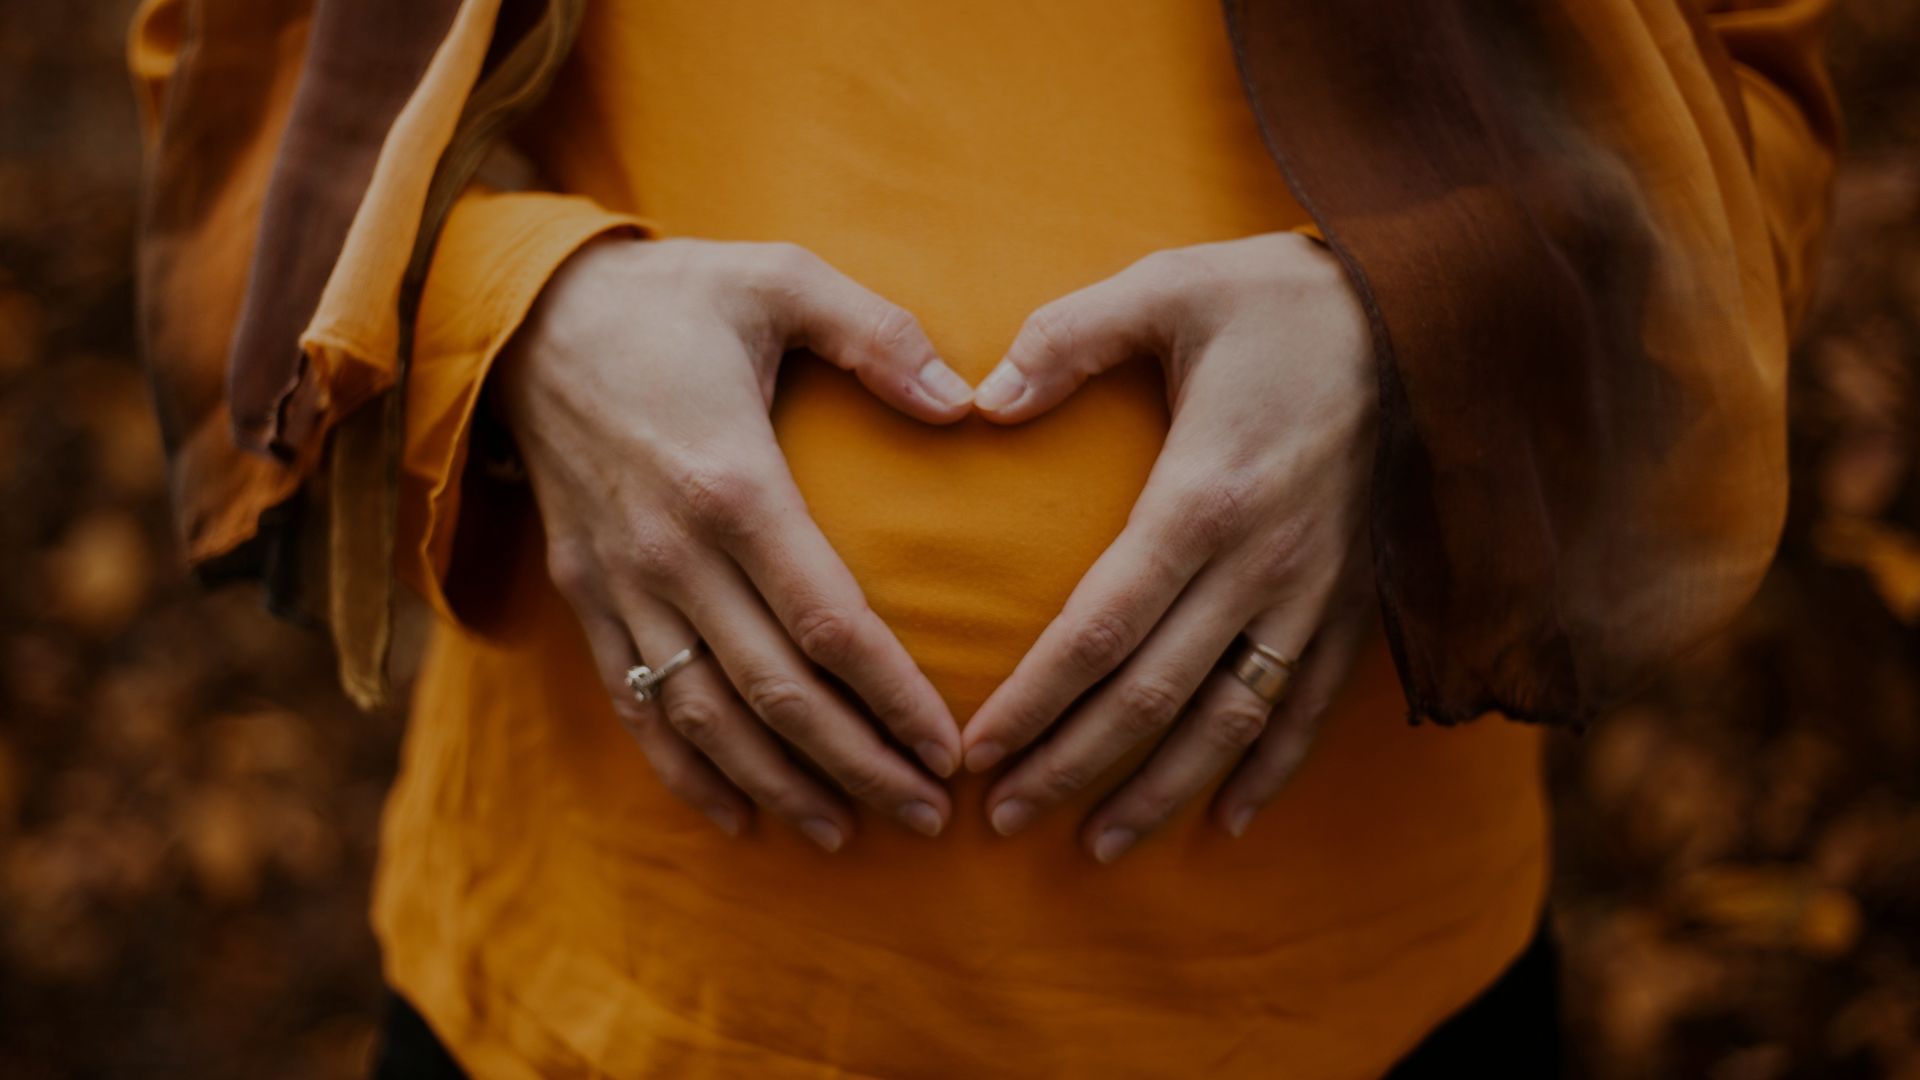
x: 1778, y: 51
x: 496, y: 253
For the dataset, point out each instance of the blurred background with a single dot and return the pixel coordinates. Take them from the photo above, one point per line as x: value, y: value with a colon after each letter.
x: 188, y: 808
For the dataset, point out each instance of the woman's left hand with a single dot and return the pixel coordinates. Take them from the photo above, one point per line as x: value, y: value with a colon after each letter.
x: 1253, y: 521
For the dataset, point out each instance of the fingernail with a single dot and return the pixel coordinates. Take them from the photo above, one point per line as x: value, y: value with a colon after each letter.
x: 1004, y: 386
x: 822, y: 832
x: 1113, y: 843
x: 1011, y: 816
x: 936, y: 757
x: 944, y: 383
x: 1237, y: 824
x: 922, y: 818
x: 724, y: 817
x: 984, y: 755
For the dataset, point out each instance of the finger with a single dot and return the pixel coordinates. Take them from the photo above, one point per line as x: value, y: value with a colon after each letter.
x: 1068, y: 341
x: 1280, y: 752
x: 778, y: 684
x: 1137, y: 705
x: 1226, y: 718
x: 1109, y: 613
x: 681, y: 769
x: 817, y: 600
x: 857, y: 329
x: 700, y: 706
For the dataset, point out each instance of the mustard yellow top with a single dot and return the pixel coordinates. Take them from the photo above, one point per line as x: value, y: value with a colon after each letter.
x: 553, y: 911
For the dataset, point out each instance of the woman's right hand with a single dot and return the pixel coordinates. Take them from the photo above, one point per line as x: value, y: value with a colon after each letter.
x: 638, y: 392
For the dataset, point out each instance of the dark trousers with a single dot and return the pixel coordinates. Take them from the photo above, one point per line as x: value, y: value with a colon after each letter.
x: 1510, y: 1030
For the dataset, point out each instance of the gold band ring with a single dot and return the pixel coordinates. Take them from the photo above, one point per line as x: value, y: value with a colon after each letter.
x: 1263, y: 670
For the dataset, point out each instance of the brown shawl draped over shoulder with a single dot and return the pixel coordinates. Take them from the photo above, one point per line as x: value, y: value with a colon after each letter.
x: 1581, y: 468
x: 1582, y: 459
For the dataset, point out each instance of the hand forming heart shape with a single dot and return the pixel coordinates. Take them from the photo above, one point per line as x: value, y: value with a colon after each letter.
x: 1251, y: 521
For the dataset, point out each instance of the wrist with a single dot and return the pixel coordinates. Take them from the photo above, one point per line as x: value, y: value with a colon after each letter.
x: 565, y: 309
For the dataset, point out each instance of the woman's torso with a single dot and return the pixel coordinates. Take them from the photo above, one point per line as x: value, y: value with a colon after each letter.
x: 970, y: 162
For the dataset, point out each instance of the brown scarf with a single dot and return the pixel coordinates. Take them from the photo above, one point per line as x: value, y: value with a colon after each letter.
x: 1580, y: 469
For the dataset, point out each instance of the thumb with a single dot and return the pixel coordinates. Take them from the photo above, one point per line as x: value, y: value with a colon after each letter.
x: 880, y: 342
x: 1068, y: 341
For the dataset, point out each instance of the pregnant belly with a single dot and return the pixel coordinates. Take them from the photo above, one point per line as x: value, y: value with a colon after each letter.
x: 968, y: 539
x: 1390, y: 881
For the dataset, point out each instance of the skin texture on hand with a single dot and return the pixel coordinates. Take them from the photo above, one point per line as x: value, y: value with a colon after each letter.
x: 638, y: 392
x: 1252, y: 520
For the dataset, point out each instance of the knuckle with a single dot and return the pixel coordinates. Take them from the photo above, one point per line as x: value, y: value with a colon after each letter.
x: 1148, y: 704
x: 894, y: 704
x: 828, y: 636
x: 1213, y: 513
x: 1236, y: 727
x: 720, y: 497
x: 1053, y: 328
x: 890, y: 329
x: 571, y: 570
x: 1100, y: 643
x: 781, y: 701
x: 863, y: 779
x: 693, y: 716
x: 1061, y: 777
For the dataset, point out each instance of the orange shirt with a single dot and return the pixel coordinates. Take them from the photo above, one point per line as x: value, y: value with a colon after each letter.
x: 553, y: 910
